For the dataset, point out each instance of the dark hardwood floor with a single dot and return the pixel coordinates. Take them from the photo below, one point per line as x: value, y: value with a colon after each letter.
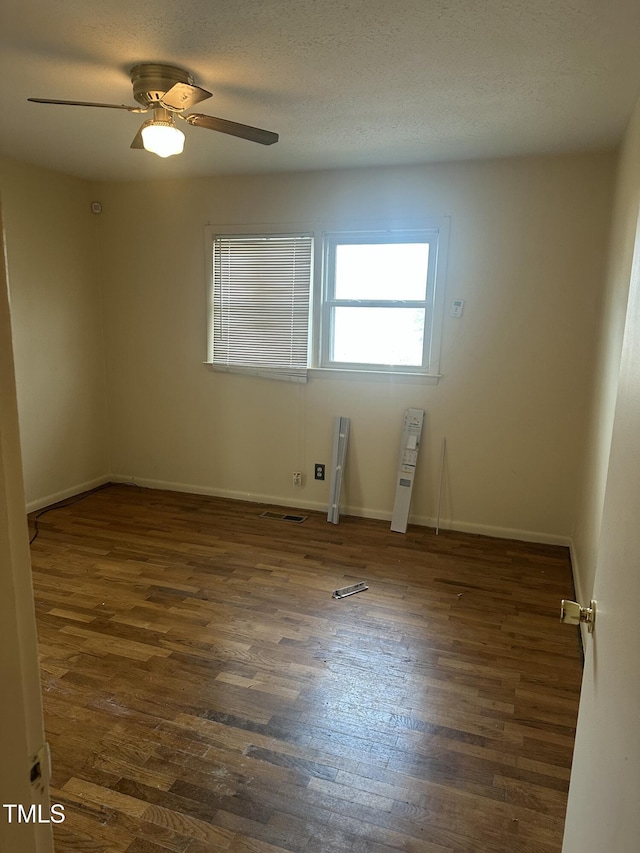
x: 203, y: 690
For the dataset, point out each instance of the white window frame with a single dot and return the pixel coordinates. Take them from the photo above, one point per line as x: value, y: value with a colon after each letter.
x: 436, y: 230
x: 329, y: 302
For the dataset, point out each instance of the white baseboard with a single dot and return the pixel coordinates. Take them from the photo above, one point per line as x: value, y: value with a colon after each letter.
x: 71, y: 492
x: 361, y: 512
x: 232, y: 494
x: 497, y: 532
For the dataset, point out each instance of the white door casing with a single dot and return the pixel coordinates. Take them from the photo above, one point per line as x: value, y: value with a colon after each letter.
x: 21, y: 723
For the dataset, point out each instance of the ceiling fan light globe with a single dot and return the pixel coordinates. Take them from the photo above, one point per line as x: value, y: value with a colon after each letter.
x: 163, y: 138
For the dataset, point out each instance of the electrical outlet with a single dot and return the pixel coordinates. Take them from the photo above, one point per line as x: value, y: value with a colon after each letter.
x: 297, y: 478
x: 319, y: 471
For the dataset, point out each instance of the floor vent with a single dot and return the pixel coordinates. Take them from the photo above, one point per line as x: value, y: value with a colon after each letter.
x: 281, y: 516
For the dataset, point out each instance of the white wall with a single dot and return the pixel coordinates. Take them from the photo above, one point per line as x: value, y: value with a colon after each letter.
x: 586, y: 535
x: 53, y: 265
x: 527, y: 254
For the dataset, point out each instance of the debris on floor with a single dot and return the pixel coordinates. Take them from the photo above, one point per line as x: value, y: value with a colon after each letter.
x: 350, y: 590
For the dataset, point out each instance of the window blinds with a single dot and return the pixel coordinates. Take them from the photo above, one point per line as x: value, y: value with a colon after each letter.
x: 261, y: 293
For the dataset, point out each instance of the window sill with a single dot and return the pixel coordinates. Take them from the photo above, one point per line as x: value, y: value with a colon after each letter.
x: 260, y: 372
x: 346, y: 374
x: 374, y: 375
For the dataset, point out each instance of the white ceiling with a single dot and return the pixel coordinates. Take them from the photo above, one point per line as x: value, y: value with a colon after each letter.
x: 344, y: 82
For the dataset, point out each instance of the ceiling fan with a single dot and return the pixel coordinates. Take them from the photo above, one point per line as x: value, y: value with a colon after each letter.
x: 168, y: 91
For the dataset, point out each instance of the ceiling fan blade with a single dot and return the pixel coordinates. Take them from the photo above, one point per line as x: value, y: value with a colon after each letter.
x: 182, y: 96
x: 244, y: 131
x: 90, y: 104
x: 137, y: 139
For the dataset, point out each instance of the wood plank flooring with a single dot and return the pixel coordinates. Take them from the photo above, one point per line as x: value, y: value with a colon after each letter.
x: 204, y: 692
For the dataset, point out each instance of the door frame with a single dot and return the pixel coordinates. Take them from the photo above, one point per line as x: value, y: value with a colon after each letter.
x: 21, y: 718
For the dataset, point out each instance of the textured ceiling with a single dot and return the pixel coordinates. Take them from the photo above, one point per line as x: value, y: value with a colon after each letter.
x: 344, y: 82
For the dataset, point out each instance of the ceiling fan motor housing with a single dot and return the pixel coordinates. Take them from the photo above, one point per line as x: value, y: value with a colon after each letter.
x: 151, y: 80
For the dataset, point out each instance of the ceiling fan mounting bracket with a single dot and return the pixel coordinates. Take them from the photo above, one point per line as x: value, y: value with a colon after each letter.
x: 151, y: 80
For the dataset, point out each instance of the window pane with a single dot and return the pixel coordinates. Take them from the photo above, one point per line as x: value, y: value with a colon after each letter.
x: 379, y: 335
x: 381, y: 270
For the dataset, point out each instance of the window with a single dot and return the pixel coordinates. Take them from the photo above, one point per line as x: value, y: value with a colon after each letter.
x: 260, y: 303
x: 377, y: 302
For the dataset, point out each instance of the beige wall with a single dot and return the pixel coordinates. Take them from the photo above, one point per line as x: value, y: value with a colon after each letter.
x: 57, y: 327
x: 527, y: 253
x: 614, y: 304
